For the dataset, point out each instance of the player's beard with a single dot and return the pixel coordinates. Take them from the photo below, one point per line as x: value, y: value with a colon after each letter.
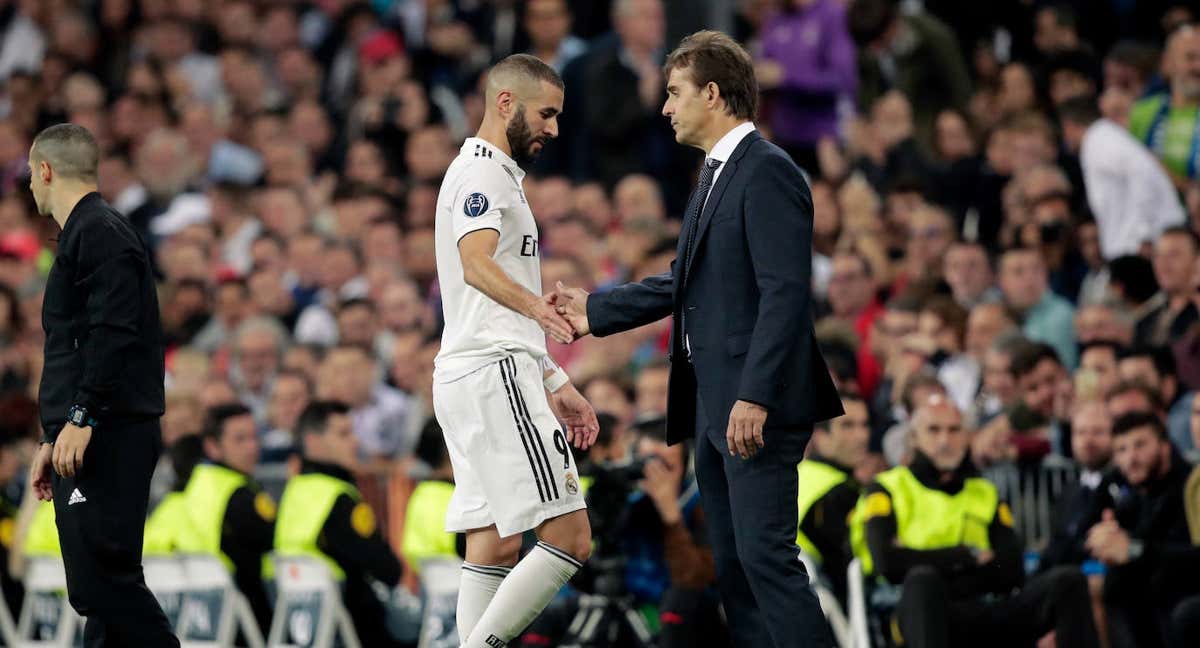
x: 521, y: 139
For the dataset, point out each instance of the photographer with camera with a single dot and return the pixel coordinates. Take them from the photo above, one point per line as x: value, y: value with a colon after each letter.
x: 688, y: 607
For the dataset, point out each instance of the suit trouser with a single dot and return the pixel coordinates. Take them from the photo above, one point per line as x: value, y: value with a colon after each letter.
x: 1056, y: 600
x: 751, y: 513
x: 101, y: 537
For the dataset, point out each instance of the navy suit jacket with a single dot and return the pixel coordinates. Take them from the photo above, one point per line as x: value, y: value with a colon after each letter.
x: 748, y: 301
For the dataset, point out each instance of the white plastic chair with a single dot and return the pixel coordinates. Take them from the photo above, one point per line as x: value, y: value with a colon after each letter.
x: 439, y: 584
x: 829, y: 603
x: 167, y: 580
x: 308, y: 607
x: 212, y: 609
x: 856, y: 600
x: 46, y: 610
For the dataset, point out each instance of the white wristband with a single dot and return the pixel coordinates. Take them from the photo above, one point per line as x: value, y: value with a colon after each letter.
x: 556, y: 380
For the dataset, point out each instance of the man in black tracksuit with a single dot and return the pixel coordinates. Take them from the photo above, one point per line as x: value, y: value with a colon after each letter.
x: 101, y: 394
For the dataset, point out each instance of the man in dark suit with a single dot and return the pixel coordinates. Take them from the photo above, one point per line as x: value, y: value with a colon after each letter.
x: 747, y: 378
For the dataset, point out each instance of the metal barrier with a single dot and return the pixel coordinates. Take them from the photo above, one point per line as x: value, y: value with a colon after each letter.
x: 1031, y: 491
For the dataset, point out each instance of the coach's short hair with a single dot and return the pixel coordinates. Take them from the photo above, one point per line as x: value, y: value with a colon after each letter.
x: 70, y: 150
x: 714, y: 57
x: 514, y: 72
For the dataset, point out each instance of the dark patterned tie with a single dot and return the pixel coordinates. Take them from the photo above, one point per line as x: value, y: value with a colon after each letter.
x: 695, y: 207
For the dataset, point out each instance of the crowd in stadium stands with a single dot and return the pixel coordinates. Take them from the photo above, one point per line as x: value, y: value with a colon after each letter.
x: 1006, y: 272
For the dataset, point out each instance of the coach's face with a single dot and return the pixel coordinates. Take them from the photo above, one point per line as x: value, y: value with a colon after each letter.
x: 688, y: 107
x: 533, y: 122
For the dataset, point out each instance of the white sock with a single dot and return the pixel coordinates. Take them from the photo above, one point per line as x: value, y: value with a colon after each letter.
x: 522, y: 596
x: 476, y: 588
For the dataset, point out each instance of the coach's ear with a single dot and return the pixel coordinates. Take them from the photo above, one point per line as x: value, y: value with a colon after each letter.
x: 712, y: 92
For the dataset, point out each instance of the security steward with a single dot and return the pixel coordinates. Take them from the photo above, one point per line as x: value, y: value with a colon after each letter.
x: 940, y: 529
x: 829, y: 492
x: 163, y: 524
x: 228, y: 513
x: 101, y: 394
x: 322, y: 515
x: 425, y: 536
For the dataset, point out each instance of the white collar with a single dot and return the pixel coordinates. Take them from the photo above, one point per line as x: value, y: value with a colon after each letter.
x: 494, y: 153
x: 728, y: 142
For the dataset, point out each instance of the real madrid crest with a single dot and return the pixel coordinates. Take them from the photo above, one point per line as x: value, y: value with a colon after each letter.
x: 572, y: 485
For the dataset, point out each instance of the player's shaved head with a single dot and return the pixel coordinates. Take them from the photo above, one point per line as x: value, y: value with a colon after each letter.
x: 69, y: 150
x: 520, y: 74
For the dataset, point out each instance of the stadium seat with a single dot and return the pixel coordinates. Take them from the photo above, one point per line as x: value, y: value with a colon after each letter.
x: 47, y: 618
x: 857, y: 603
x: 212, y: 610
x: 167, y: 580
x: 829, y: 603
x: 308, y: 607
x: 439, y: 584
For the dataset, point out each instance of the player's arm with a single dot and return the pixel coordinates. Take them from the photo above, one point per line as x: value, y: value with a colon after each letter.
x: 481, y: 272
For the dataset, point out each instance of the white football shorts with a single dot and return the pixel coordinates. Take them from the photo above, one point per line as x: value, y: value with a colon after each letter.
x: 512, y: 462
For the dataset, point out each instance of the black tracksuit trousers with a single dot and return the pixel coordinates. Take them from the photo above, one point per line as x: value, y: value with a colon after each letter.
x: 101, y: 537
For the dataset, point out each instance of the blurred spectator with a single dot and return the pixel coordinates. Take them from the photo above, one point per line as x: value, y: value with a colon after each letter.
x: 291, y: 392
x: 915, y: 53
x: 548, y: 23
x: 349, y: 374
x: 807, y: 71
x: 1129, y: 193
x: 651, y: 389
x: 258, y: 346
x: 1155, y: 368
x: 1039, y: 376
x: 967, y: 268
x: 1047, y: 317
x: 1142, y: 535
x: 1098, y: 361
x: 1172, y: 311
x: 1167, y: 122
x: 628, y: 110
x: 1078, y: 507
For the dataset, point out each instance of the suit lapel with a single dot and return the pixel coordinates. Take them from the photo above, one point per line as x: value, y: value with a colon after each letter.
x: 714, y: 199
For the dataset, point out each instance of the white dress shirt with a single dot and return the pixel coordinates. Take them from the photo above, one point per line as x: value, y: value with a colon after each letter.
x: 724, y: 148
x: 1130, y: 194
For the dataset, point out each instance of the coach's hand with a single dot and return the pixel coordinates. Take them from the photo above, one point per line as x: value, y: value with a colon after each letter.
x: 39, y: 473
x: 577, y: 415
x: 69, y: 448
x: 572, y: 304
x: 745, y: 431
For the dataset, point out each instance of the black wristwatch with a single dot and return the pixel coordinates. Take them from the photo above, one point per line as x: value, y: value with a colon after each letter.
x: 78, y: 416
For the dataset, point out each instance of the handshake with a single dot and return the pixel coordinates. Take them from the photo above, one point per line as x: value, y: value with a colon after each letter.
x: 562, y: 313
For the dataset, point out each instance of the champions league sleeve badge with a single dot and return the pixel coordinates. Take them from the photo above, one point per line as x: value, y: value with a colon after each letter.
x: 475, y: 205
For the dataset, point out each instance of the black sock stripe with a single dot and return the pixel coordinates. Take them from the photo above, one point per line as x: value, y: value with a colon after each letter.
x: 484, y: 572
x: 520, y: 431
x: 497, y: 568
x: 536, y: 435
x: 555, y: 551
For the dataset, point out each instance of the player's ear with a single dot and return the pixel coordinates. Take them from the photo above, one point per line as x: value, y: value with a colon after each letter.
x: 504, y: 102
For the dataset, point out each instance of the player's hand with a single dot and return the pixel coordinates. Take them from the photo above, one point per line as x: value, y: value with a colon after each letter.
x: 744, y: 434
x: 572, y: 304
x: 577, y: 415
x: 69, y: 448
x: 39, y: 473
x: 553, y: 323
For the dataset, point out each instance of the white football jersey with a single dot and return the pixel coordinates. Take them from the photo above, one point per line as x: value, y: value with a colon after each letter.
x: 482, y: 190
